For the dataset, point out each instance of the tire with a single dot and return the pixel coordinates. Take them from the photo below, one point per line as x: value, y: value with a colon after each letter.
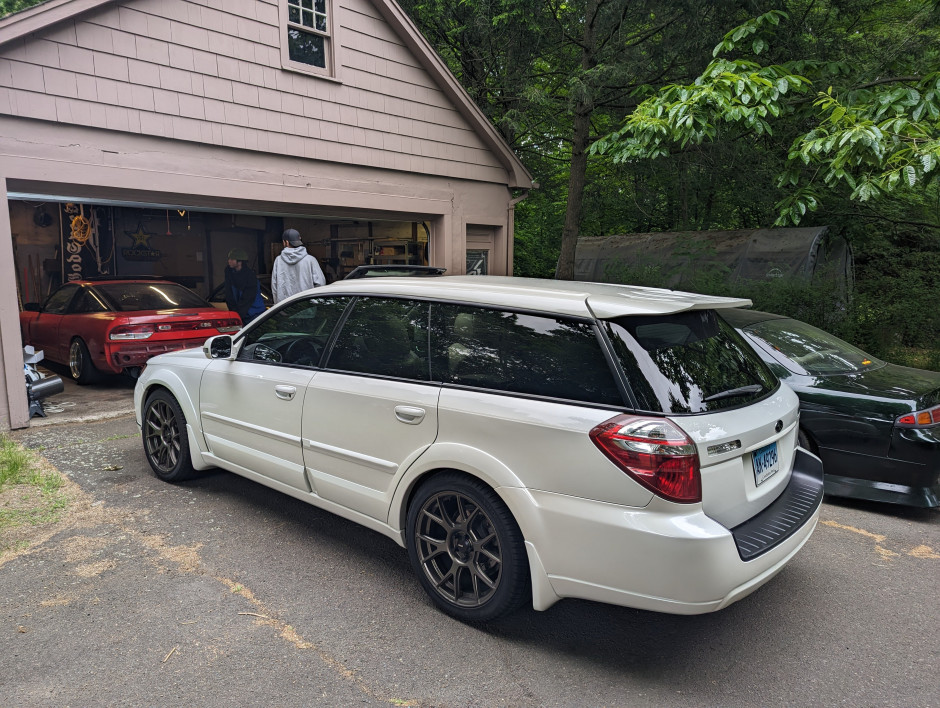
x: 804, y: 441
x: 166, y: 444
x: 81, y: 368
x: 466, y: 549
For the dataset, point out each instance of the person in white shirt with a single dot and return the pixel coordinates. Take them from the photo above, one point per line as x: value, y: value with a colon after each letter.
x: 294, y: 269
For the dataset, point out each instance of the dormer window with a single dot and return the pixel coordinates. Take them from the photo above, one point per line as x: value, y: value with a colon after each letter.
x: 308, y: 45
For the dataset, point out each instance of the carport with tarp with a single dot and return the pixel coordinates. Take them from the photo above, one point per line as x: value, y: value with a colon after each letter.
x: 742, y: 254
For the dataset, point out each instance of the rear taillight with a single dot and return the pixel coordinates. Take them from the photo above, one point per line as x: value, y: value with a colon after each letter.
x: 655, y: 453
x: 123, y: 332
x: 920, y: 419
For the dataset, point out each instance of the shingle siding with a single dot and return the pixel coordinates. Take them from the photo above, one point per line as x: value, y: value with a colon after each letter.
x: 162, y: 67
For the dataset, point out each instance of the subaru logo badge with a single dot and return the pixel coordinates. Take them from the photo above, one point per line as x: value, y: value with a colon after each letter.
x: 779, y: 426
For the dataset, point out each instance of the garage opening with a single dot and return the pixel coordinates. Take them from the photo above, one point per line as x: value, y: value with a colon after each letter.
x: 57, y: 241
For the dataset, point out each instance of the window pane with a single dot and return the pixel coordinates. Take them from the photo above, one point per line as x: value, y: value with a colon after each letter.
x: 384, y: 337
x: 520, y: 353
x: 320, y: 6
x: 321, y: 23
x: 131, y: 297
x: 307, y: 4
x: 306, y: 48
x: 293, y: 15
x: 689, y: 362
x: 296, y: 334
x: 57, y: 302
x: 307, y: 20
x: 812, y: 351
x: 88, y: 301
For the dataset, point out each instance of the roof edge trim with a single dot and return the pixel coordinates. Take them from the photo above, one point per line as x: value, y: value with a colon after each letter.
x: 43, y: 16
x: 519, y: 176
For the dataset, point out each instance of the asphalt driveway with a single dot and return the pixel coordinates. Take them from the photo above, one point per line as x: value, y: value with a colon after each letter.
x: 221, y: 592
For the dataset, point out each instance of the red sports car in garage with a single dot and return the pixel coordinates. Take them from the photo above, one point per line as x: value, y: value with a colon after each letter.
x: 112, y: 326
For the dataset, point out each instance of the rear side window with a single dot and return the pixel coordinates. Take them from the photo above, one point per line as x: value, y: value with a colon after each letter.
x: 385, y: 337
x: 689, y: 362
x: 520, y: 353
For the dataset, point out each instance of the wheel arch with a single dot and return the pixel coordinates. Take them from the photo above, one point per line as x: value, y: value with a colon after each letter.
x: 507, y: 487
x: 170, y: 382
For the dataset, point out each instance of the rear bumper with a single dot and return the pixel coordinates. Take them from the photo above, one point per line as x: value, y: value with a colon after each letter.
x: 922, y: 497
x: 131, y: 354
x: 663, y: 559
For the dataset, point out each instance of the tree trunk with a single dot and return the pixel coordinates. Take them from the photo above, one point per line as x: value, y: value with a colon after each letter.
x: 576, y: 181
x: 580, y: 140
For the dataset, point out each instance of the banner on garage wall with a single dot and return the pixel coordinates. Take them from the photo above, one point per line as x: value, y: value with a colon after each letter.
x: 87, y: 242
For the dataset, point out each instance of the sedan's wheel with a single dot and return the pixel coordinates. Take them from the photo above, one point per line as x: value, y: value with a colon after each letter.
x: 166, y: 444
x: 467, y: 549
x: 80, y: 366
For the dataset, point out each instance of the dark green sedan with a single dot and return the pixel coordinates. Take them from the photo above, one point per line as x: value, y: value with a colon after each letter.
x: 876, y: 426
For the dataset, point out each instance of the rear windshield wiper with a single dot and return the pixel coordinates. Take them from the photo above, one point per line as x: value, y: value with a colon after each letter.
x: 734, y: 392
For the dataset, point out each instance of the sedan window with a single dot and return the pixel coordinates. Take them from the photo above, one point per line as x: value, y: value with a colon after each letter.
x: 294, y: 335
x: 808, y: 350
x: 58, y: 302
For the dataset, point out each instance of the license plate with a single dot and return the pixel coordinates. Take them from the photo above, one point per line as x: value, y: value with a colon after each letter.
x: 766, y: 463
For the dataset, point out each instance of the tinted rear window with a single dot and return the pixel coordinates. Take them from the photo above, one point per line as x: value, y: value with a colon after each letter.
x: 130, y: 297
x: 689, y: 362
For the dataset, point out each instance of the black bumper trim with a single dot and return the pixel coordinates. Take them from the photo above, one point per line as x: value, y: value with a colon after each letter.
x: 787, y: 514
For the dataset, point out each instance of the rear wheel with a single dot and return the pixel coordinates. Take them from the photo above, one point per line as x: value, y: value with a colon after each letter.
x: 805, y: 442
x: 166, y: 444
x: 467, y: 549
x: 80, y: 366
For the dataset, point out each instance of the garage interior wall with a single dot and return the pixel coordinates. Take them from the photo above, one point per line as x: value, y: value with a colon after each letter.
x: 54, y: 242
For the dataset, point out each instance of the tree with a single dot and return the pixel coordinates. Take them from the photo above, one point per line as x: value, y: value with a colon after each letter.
x: 867, y: 137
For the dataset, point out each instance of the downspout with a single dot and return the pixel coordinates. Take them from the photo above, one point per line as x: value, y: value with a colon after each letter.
x: 511, y: 226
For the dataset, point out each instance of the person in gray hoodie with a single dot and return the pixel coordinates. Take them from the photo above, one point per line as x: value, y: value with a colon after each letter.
x: 294, y: 269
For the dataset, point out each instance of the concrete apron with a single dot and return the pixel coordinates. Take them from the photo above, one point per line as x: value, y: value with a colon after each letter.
x: 112, y: 397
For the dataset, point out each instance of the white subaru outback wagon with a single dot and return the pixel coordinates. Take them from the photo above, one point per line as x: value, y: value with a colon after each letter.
x: 525, y: 440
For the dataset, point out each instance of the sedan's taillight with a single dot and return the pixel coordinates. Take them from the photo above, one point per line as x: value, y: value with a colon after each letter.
x: 123, y: 332
x: 920, y: 419
x: 655, y: 453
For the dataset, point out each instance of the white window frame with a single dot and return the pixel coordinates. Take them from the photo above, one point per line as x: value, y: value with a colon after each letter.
x: 329, y: 44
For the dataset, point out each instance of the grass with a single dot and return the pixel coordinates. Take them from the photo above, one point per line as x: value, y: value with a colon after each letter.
x: 30, y: 494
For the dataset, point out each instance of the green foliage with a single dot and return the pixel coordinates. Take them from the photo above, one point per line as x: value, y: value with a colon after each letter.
x: 20, y: 469
x: 8, y: 6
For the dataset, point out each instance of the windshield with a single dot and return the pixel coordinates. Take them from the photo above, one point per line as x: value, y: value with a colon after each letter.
x: 809, y: 350
x: 130, y: 297
x: 688, y: 362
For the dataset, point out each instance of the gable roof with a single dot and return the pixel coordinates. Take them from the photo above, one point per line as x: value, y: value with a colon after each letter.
x: 48, y: 14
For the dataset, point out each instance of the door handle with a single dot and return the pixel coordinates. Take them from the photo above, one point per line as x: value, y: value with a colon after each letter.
x: 409, y: 414
x: 285, y: 392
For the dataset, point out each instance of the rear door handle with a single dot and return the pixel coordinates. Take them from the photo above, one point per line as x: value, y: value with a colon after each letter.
x: 285, y: 392
x: 409, y: 414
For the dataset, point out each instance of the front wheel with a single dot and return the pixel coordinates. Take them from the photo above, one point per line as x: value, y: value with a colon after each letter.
x: 166, y: 444
x: 467, y: 549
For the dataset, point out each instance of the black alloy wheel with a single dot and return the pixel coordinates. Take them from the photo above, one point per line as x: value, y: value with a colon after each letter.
x: 467, y: 549
x: 80, y: 366
x: 166, y: 444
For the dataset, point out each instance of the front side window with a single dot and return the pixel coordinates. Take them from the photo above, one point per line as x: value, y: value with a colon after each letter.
x: 384, y: 337
x: 295, y: 335
x: 60, y: 299
x: 688, y: 362
x: 308, y: 34
x: 520, y: 353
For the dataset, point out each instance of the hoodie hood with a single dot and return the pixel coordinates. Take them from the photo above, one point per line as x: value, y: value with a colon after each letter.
x: 294, y: 254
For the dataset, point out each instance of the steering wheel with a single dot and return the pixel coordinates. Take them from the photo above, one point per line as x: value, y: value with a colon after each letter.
x: 302, y: 351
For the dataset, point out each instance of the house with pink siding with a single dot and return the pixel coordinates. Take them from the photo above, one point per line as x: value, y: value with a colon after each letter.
x: 178, y: 129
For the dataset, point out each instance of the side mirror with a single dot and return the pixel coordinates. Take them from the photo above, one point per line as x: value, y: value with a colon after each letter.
x: 219, y: 347
x: 32, y: 307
